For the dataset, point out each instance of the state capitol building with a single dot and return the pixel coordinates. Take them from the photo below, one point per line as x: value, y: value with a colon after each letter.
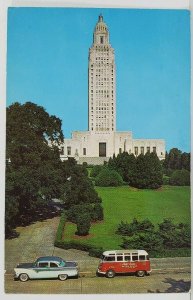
x: 102, y: 140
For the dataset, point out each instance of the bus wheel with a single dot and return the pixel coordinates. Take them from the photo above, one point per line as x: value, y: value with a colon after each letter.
x: 110, y: 274
x: 140, y: 273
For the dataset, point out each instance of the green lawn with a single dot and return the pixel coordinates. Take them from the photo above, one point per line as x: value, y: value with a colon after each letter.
x: 124, y: 203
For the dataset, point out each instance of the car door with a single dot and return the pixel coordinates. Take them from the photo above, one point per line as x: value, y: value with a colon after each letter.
x: 42, y: 270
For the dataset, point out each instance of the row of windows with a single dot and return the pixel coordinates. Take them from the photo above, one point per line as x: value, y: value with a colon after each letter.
x: 69, y: 151
x: 126, y: 257
x: 46, y: 265
x: 102, y: 92
x: 142, y: 150
x: 102, y: 58
x: 102, y: 129
x: 102, y: 48
x: 98, y: 127
x: 101, y: 71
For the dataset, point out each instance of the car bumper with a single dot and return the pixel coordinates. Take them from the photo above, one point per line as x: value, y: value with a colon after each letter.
x: 100, y: 272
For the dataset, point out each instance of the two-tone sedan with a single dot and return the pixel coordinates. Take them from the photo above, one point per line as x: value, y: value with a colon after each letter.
x: 46, y: 267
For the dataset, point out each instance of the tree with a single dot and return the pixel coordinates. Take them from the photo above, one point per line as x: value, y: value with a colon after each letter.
x: 148, y: 172
x: 83, y: 224
x: 79, y: 189
x: 185, y: 161
x: 94, y: 210
x: 180, y: 177
x: 33, y: 174
x: 176, y: 160
x: 124, y: 164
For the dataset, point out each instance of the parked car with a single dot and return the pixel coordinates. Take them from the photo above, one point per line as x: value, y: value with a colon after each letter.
x: 46, y: 267
x: 124, y: 261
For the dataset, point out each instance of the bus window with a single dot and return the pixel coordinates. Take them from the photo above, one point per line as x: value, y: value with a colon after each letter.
x: 134, y: 257
x: 127, y: 257
x: 120, y: 258
x: 110, y: 258
x: 141, y: 257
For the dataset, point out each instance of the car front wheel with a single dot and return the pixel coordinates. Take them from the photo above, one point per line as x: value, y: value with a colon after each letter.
x: 110, y: 274
x: 63, y: 277
x: 23, y: 277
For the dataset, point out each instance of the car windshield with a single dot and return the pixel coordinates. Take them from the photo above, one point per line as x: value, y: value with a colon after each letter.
x: 62, y: 263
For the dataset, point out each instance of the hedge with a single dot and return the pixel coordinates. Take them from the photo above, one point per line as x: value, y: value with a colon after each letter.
x: 60, y: 243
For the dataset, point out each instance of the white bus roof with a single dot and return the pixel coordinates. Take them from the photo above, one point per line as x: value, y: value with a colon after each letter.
x: 125, y: 251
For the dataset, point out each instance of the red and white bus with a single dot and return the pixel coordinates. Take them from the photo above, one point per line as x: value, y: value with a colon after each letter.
x: 124, y: 261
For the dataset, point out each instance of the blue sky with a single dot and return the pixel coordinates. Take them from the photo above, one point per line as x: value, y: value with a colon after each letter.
x: 47, y: 63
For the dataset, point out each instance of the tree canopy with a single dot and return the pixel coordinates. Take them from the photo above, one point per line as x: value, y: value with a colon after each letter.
x: 143, y: 171
x: 33, y: 173
x: 176, y: 160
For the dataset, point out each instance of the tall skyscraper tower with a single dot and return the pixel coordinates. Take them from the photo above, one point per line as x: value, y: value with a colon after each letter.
x: 102, y: 141
x: 102, y: 85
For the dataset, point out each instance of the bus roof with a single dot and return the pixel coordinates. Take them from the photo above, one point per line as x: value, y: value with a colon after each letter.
x: 125, y: 251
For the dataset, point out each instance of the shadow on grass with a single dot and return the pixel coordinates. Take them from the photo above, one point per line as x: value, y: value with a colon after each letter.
x: 177, y: 286
x: 43, y: 213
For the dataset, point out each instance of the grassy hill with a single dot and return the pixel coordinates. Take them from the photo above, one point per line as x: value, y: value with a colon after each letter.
x: 124, y: 203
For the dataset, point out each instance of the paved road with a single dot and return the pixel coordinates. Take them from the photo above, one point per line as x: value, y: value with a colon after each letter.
x: 155, y: 283
x: 169, y: 274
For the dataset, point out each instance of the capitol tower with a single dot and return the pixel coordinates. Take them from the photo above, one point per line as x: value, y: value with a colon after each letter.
x: 102, y: 141
x: 102, y: 94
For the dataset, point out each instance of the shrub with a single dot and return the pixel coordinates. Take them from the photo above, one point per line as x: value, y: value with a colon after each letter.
x: 61, y: 225
x: 97, y: 212
x: 180, y: 177
x: 166, y: 180
x: 76, y: 210
x: 96, y: 252
x: 95, y: 171
x: 130, y: 229
x: 143, y: 235
x: 83, y: 224
x: 174, y: 236
x: 94, y: 211
x: 108, y: 178
x: 143, y: 241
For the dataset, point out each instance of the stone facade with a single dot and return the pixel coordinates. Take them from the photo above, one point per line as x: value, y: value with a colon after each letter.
x: 102, y: 140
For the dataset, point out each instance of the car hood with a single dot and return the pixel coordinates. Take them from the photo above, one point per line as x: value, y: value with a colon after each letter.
x: 70, y: 264
x: 25, y: 265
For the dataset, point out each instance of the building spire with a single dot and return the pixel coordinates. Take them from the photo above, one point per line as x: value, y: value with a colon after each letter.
x: 100, y: 18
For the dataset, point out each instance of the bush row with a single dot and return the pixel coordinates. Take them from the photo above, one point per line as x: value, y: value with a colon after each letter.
x: 144, y: 235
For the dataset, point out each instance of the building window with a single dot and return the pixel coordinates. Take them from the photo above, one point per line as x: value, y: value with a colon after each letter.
x: 154, y: 149
x: 68, y: 150
x: 142, y: 150
x: 62, y: 151
x: 148, y: 149
x: 120, y: 150
x: 101, y: 39
x: 136, y: 150
x: 84, y: 151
